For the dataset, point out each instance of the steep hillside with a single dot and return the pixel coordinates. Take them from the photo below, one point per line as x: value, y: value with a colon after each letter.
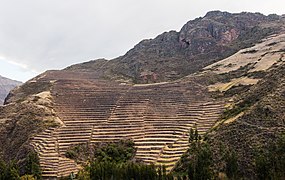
x: 255, y: 117
x: 251, y: 81
x: 199, y: 43
x: 255, y: 121
x: 5, y: 86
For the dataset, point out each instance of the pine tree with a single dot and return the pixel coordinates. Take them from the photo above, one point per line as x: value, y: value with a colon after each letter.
x: 201, y: 160
x: 163, y: 172
x: 191, y: 135
x: 32, y: 166
x: 196, y: 134
x: 159, y: 173
x: 231, y: 165
x: 12, y: 172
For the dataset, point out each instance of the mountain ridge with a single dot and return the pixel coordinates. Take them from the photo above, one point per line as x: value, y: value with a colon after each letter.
x: 199, y: 42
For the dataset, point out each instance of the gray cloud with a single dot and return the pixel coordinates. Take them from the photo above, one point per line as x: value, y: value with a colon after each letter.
x: 52, y: 34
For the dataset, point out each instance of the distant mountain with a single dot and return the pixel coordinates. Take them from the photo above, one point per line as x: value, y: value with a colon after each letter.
x: 5, y: 86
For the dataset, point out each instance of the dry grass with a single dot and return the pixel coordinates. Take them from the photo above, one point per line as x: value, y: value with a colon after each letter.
x: 222, y: 87
x: 262, y: 56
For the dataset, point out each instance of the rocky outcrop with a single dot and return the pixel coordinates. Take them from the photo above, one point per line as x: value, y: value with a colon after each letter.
x: 5, y: 86
x: 199, y: 43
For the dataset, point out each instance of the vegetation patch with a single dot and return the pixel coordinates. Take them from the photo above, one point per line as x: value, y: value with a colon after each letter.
x: 270, y: 163
x: 117, y: 152
x: 237, y: 109
x: 121, y: 151
x: 223, y: 87
x: 256, y: 74
x: 115, y: 161
x: 197, y: 163
x: 200, y: 161
x: 11, y: 170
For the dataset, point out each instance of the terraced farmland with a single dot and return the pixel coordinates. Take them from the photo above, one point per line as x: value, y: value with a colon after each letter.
x: 157, y: 117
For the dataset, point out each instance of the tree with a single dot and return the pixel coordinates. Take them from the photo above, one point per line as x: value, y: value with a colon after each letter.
x: 200, y: 159
x: 164, y: 172
x: 33, y: 165
x: 204, y: 161
x: 159, y: 173
x: 12, y: 172
x: 2, y: 169
x: 231, y: 165
x: 191, y: 135
x: 270, y: 163
x: 262, y: 167
x: 196, y: 135
x: 83, y: 175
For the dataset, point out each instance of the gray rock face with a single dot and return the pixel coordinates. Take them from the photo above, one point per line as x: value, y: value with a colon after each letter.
x: 5, y: 86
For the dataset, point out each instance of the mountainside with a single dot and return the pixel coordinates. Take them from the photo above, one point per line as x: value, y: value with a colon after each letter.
x: 199, y: 43
x: 255, y: 121
x: 5, y: 86
x: 222, y: 73
x: 252, y: 83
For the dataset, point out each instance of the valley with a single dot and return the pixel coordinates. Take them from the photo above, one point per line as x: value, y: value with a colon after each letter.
x: 222, y: 75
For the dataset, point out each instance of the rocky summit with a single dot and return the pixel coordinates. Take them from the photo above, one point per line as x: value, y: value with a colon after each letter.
x: 221, y: 73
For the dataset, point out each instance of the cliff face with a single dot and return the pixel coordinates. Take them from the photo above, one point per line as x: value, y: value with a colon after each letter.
x: 5, y: 86
x: 199, y: 43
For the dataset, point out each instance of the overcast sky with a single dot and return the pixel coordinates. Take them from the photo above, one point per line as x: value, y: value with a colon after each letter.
x: 37, y: 35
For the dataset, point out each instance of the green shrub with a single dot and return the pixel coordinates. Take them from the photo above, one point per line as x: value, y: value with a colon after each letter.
x: 121, y: 151
x: 270, y: 164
